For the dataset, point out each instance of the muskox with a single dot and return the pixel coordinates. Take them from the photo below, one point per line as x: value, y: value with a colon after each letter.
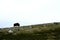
x: 56, y: 23
x: 16, y: 24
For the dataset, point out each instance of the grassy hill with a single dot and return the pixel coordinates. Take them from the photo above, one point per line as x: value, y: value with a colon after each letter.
x: 48, y: 31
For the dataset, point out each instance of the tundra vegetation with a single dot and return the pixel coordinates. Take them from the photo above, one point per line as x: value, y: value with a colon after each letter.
x: 49, y: 31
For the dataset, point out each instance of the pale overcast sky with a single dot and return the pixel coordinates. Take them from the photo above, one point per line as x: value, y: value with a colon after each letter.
x: 28, y: 12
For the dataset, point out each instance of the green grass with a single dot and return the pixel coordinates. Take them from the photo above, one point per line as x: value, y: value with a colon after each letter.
x: 37, y: 32
x: 36, y: 35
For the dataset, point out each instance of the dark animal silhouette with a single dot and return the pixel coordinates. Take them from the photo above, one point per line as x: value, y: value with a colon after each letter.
x: 56, y: 23
x: 16, y: 24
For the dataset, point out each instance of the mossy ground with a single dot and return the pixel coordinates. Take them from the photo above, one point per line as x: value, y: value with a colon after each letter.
x: 38, y: 32
x: 42, y: 35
